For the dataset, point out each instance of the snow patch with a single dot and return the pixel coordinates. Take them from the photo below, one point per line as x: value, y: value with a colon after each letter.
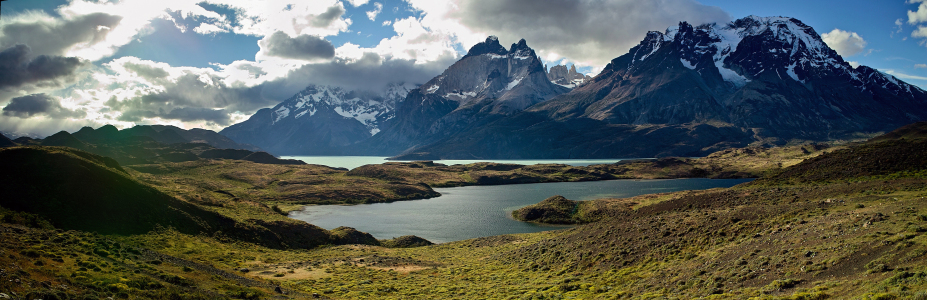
x: 374, y: 131
x: 791, y: 71
x: 433, y: 89
x: 687, y: 64
x: 281, y: 113
x: 364, y: 117
x: 513, y: 84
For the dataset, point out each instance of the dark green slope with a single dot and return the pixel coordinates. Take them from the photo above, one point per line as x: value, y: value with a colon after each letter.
x: 77, y: 190
x: 6, y: 142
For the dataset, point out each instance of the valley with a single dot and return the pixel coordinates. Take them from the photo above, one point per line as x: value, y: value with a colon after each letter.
x: 768, y: 165
x: 839, y: 224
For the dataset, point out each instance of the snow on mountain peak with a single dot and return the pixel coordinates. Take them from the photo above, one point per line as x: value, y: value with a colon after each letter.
x: 369, y: 108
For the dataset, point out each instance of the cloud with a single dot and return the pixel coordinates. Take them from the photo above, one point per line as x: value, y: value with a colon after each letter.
x: 262, y: 18
x: 357, y: 3
x: 844, y: 42
x: 920, y: 32
x: 304, y: 47
x: 370, y: 72
x: 56, y: 36
x: 903, y: 75
x: 372, y: 15
x: 589, y: 32
x: 920, y: 15
x: 184, y: 114
x: 387, y: 23
x: 146, y: 71
x: 205, y: 28
x: 920, y: 66
x: 39, y: 104
x: 18, y: 68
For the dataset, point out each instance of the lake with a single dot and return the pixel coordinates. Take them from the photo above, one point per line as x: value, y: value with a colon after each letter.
x: 477, y: 211
x: 351, y: 162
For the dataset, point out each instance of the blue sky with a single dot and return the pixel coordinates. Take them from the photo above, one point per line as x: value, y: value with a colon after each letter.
x: 212, y: 63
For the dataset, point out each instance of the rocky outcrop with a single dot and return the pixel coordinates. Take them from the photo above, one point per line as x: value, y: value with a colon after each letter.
x: 267, y: 158
x: 560, y: 75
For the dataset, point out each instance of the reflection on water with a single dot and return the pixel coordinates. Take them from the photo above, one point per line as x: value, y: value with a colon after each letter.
x: 477, y: 211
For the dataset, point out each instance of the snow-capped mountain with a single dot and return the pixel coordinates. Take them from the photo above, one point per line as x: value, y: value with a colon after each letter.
x: 488, y: 83
x: 368, y: 108
x: 771, y: 74
x: 320, y: 119
x: 691, y: 90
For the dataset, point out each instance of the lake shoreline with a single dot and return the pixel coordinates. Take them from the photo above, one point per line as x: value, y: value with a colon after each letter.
x: 482, y: 210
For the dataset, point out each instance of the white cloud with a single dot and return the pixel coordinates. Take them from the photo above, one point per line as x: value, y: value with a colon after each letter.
x: 854, y: 64
x: 920, y: 66
x: 372, y: 15
x: 261, y: 18
x: 844, y: 42
x: 206, y: 28
x: 387, y: 23
x: 903, y: 75
x: 920, y: 15
x: 920, y: 32
x: 357, y: 3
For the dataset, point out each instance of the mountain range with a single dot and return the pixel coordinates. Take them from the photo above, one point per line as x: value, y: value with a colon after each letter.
x: 687, y: 91
x: 692, y: 90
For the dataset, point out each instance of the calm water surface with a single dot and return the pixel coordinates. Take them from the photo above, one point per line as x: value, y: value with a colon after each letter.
x: 352, y: 162
x: 476, y: 211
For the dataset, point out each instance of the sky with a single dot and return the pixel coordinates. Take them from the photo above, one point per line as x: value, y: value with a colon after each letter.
x: 66, y: 64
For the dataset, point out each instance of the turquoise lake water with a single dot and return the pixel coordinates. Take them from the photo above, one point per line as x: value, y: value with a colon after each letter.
x: 477, y: 211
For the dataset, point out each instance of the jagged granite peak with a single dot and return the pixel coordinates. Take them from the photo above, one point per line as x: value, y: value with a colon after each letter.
x: 490, y: 46
x: 320, y: 119
x: 488, y: 83
x: 513, y: 79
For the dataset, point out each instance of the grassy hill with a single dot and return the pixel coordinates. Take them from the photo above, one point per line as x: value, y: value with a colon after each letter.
x: 76, y: 190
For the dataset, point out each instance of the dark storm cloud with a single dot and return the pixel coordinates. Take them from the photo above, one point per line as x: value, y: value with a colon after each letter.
x: 39, y: 104
x: 306, y: 47
x: 184, y: 114
x: 48, y: 36
x: 372, y: 73
x: 191, y: 97
x: 18, y: 68
x: 585, y: 30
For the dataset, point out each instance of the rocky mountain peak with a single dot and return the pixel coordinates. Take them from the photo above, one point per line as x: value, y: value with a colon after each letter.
x: 563, y: 76
x: 490, y: 46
